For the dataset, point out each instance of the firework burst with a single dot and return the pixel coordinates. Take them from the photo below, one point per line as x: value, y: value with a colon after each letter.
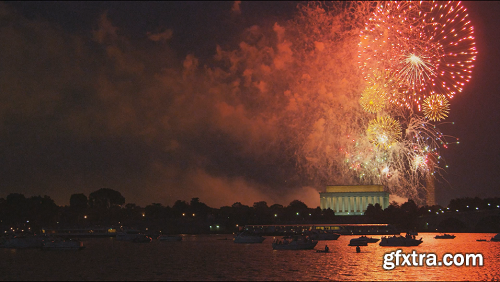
x: 436, y: 107
x: 383, y: 132
x: 373, y: 99
x: 428, y: 46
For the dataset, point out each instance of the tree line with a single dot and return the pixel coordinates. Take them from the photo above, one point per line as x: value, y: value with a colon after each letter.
x: 106, y: 208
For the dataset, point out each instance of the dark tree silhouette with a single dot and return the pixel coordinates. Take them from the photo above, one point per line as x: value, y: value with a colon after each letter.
x: 154, y: 211
x: 106, y: 198
x: 180, y: 207
x: 276, y: 207
x: 198, y: 207
x: 78, y: 202
x: 262, y: 205
x: 375, y: 212
x: 297, y: 205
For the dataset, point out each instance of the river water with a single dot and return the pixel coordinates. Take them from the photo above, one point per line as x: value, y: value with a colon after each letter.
x: 209, y: 257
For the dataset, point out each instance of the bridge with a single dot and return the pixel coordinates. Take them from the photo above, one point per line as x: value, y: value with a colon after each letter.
x: 469, y: 221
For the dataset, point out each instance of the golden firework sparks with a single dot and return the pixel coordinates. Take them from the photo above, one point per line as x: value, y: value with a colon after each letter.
x: 383, y: 132
x: 436, y: 107
x: 373, y: 99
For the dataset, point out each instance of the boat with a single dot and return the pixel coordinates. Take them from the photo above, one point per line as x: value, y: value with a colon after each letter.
x: 323, y: 235
x: 142, y: 239
x: 248, y: 238
x: 325, y: 250
x: 400, y: 241
x: 169, y: 238
x: 366, y: 239
x: 129, y: 235
x: 295, y: 243
x: 24, y: 242
x: 481, y: 240
x: 357, y: 242
x: 60, y: 244
x: 445, y: 236
x: 496, y: 238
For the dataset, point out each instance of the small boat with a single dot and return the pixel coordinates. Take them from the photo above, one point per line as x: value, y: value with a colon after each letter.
x: 325, y: 250
x: 129, y: 235
x: 323, y: 235
x: 496, y: 238
x: 295, y: 243
x: 248, y: 238
x: 356, y: 242
x: 366, y: 239
x: 400, y: 241
x: 169, y: 238
x: 445, y: 236
x: 24, y: 242
x: 60, y: 244
x: 481, y: 240
x: 142, y: 239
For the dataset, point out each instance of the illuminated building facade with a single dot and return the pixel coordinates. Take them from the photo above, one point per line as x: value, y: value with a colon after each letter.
x: 353, y: 199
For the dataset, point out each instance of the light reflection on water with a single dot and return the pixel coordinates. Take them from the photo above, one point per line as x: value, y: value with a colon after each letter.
x: 205, y: 257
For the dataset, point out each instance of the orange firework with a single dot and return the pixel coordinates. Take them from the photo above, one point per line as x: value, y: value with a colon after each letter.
x: 436, y: 107
x: 428, y: 47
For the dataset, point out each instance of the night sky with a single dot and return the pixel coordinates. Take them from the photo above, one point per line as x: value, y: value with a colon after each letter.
x: 114, y: 95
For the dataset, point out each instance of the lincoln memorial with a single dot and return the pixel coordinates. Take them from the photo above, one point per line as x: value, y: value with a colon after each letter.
x: 353, y: 199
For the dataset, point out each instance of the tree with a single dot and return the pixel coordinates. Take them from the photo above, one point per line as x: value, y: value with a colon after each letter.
x: 262, y: 205
x: 180, y: 207
x: 106, y: 198
x: 154, y: 211
x: 374, y: 212
x: 198, y: 207
x: 410, y: 207
x: 239, y: 205
x: 78, y: 202
x: 43, y: 211
x: 276, y: 207
x: 297, y: 205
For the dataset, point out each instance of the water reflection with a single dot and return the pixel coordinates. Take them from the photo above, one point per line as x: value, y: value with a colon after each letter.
x: 204, y: 257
